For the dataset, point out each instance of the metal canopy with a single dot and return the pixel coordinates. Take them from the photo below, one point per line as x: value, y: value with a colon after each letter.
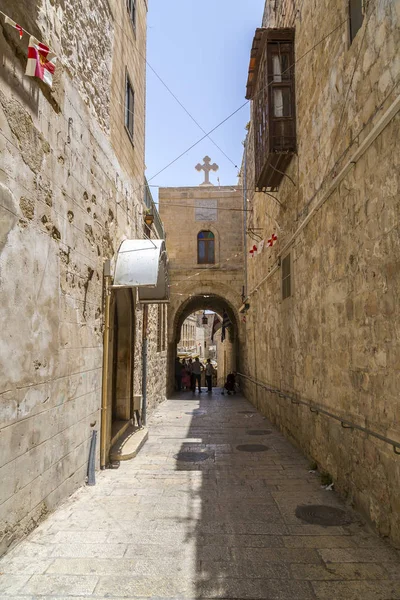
x: 143, y: 264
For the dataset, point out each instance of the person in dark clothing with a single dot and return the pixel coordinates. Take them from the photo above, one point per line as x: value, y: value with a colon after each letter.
x: 178, y: 374
x: 197, y: 368
x: 209, y: 374
x: 230, y: 384
x: 190, y: 369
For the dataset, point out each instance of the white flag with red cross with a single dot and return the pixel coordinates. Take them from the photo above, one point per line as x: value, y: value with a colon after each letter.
x: 9, y: 21
x: 41, y: 61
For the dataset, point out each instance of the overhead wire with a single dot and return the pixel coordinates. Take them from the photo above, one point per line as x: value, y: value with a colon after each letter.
x: 276, y: 263
x: 207, y: 134
x: 232, y: 114
x: 115, y: 22
x: 347, y: 96
x: 196, y: 143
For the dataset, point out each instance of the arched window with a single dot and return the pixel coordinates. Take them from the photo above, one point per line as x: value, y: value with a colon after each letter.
x: 205, y: 248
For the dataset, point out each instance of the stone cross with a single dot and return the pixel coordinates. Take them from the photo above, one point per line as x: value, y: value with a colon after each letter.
x: 207, y: 167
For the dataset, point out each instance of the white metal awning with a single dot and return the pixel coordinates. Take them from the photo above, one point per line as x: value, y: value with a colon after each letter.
x: 143, y: 264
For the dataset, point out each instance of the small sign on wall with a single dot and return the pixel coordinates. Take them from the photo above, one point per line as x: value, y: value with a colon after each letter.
x: 206, y: 210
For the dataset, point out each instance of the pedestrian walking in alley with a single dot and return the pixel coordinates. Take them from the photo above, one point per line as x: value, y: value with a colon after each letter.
x: 186, y: 379
x: 190, y: 369
x: 197, y: 368
x: 178, y: 374
x: 209, y: 374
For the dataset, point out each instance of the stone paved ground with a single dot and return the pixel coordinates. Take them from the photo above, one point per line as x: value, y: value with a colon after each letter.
x: 224, y: 527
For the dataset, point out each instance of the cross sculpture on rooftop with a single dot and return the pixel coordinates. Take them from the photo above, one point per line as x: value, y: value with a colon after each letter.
x: 207, y: 167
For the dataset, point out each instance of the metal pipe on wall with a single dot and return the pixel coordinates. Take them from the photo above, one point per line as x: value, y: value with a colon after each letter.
x: 245, y: 217
x: 91, y: 472
x: 106, y: 352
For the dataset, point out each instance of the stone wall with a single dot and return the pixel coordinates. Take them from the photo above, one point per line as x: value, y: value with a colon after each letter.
x: 191, y: 281
x: 335, y: 340
x: 67, y: 202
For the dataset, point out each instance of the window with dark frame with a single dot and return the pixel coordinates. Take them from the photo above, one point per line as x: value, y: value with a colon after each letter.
x: 356, y: 15
x: 271, y: 86
x: 131, y: 6
x: 129, y: 107
x: 205, y: 248
x: 286, y: 278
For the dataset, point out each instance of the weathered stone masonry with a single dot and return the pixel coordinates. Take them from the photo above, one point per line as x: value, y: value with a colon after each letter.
x: 70, y: 192
x: 335, y: 340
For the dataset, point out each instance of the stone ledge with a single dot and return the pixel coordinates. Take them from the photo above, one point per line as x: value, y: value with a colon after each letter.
x: 130, y: 444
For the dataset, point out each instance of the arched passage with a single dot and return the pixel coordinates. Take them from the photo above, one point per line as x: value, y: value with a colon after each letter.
x: 204, y: 301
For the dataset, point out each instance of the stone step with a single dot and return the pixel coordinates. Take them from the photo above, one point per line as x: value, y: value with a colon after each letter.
x: 129, y: 444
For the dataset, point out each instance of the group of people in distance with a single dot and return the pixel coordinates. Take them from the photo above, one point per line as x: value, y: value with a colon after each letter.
x: 188, y: 376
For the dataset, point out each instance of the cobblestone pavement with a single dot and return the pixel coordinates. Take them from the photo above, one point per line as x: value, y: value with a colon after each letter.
x: 222, y: 527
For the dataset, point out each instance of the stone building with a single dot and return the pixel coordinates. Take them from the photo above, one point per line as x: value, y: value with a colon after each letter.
x: 321, y: 173
x: 72, y: 190
x: 204, y: 233
x: 188, y: 337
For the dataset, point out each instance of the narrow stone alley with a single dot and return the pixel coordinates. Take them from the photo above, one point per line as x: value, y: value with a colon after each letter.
x: 206, y: 510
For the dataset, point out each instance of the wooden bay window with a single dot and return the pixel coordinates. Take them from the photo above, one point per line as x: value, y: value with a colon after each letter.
x: 271, y: 88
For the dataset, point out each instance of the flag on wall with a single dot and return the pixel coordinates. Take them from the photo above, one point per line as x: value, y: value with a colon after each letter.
x: 9, y: 21
x: 272, y: 240
x: 216, y: 325
x: 41, y: 61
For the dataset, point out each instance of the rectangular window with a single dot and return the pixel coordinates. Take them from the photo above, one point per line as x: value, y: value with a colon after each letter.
x: 356, y: 14
x: 205, y: 248
x: 129, y: 108
x: 131, y: 6
x: 286, y: 277
x: 282, y: 102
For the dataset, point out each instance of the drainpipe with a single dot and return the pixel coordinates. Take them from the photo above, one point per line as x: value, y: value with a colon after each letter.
x: 144, y: 363
x: 245, y: 216
x: 106, y: 352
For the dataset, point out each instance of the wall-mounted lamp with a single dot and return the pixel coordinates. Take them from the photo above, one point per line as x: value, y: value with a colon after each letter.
x: 149, y: 219
x: 204, y: 320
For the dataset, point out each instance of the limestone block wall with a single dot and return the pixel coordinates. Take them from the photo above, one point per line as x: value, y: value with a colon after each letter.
x: 66, y: 204
x: 188, y: 279
x: 334, y: 340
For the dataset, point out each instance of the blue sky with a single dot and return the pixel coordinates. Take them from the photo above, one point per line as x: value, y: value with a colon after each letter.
x: 201, y: 50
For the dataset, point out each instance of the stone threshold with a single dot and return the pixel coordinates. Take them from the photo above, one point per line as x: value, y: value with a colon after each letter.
x: 129, y: 444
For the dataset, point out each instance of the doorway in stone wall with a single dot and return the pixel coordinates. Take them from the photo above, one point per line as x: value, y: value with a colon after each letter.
x: 121, y: 361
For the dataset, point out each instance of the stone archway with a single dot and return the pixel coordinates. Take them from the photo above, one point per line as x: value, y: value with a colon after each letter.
x: 204, y: 296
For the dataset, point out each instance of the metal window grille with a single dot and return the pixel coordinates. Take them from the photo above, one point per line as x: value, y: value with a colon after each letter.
x: 272, y: 89
x: 205, y: 248
x: 129, y: 107
x: 356, y: 13
x: 286, y: 277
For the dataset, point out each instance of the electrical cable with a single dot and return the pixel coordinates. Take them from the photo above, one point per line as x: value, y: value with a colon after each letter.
x: 248, y: 101
x: 276, y: 263
x: 346, y: 97
x: 240, y: 107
